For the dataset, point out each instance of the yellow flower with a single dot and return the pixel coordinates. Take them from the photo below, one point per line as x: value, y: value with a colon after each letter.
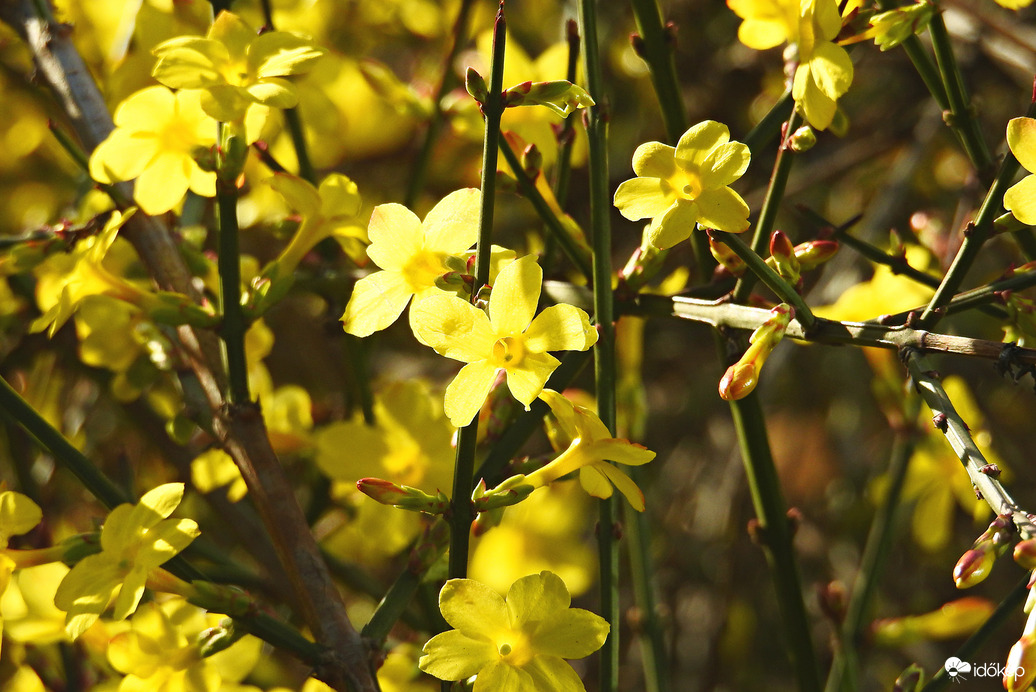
x: 517, y: 644
x: 155, y: 138
x: 235, y: 67
x: 68, y: 280
x: 1020, y: 199
x: 18, y: 515
x: 590, y: 448
x: 679, y: 187
x: 161, y: 651
x: 823, y: 69
x: 412, y: 255
x: 329, y: 212
x: 507, y: 339
x: 135, y: 540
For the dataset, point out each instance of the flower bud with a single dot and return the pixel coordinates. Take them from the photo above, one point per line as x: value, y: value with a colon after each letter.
x: 1020, y: 669
x: 726, y: 257
x: 741, y: 378
x: 909, y: 680
x: 476, y: 86
x: 974, y: 566
x: 813, y: 253
x: 212, y: 640
x: 803, y: 139
x: 402, y: 496
x: 1025, y: 553
x: 895, y: 26
x: 782, y: 254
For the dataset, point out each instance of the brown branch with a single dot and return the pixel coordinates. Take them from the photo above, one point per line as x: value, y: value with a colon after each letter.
x: 240, y: 429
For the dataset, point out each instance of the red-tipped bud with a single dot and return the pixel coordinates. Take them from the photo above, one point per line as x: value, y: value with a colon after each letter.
x: 726, y: 257
x: 738, y: 381
x: 781, y: 247
x: 402, y: 496
x: 974, y: 566
x: 813, y: 253
x: 1020, y: 669
x: 1025, y: 553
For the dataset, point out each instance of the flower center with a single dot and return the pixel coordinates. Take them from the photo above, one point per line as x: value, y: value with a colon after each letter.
x: 688, y: 183
x: 423, y: 268
x: 508, y: 352
x: 515, y: 649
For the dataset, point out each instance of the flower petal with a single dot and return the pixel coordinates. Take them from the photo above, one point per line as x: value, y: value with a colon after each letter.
x: 818, y: 108
x: 395, y: 234
x: 536, y: 598
x: 722, y: 209
x: 698, y: 142
x: 552, y: 673
x: 1021, y: 137
x: 453, y: 327
x: 130, y: 593
x: 643, y: 198
x: 624, y: 484
x: 654, y: 160
x: 166, y: 540
x: 454, y: 656
x: 339, y: 196
x: 376, y: 302
x: 526, y: 382
x: 1020, y: 200
x: 674, y: 226
x: 468, y: 391
x: 164, y: 182
x: 515, y: 295
x: 278, y: 54
x: 595, y: 482
x: 560, y: 327
x: 274, y: 92
x: 300, y: 195
x: 725, y: 164
x: 190, y: 62
x: 832, y: 69
x: 571, y: 633
x: 452, y: 224
x: 623, y: 452
x: 122, y: 156
x: 473, y: 608
x: 502, y: 676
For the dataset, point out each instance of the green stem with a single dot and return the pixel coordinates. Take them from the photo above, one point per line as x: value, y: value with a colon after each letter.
x: 92, y: 478
x: 298, y: 139
x: 775, y: 534
x: 926, y: 69
x: 962, y: 119
x: 604, y: 360
x: 232, y: 331
x: 771, y: 204
x: 1005, y: 611
x: 461, y: 509
x: 435, y: 121
x: 558, y: 232
x: 642, y: 569
x: 845, y: 669
x: 785, y: 291
x: 980, y: 230
x: 391, y: 607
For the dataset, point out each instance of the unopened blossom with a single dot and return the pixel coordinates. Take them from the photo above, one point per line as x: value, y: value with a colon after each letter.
x: 679, y: 188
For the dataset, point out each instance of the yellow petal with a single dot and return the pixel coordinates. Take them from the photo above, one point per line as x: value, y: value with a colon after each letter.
x: 395, y: 234
x: 594, y: 482
x: 190, y: 63
x: 454, y: 656
x: 725, y: 164
x: 643, y: 198
x: 376, y: 302
x: 515, y: 295
x: 698, y: 142
x: 722, y: 209
x: 654, y: 160
x: 1020, y: 200
x: 832, y: 69
x: 278, y: 54
x: 452, y: 224
x: 624, y: 484
x: 453, y: 327
x: 274, y: 92
x: 300, y: 195
x: 162, y: 185
x: 674, y: 226
x: 526, y: 382
x: 468, y: 391
x: 560, y: 328
x: 122, y: 156
x: 339, y: 196
x: 1021, y: 137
